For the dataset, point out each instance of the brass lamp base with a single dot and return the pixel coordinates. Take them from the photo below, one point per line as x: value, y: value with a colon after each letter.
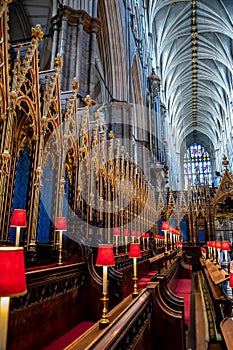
x: 60, y: 256
x: 135, y: 289
x: 104, y: 321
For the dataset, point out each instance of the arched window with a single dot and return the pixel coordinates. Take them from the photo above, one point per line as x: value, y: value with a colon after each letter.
x: 197, y: 166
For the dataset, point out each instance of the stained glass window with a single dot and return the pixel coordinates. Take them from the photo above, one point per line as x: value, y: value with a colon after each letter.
x: 197, y: 166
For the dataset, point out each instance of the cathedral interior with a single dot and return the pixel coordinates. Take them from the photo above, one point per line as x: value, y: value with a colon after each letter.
x: 116, y: 134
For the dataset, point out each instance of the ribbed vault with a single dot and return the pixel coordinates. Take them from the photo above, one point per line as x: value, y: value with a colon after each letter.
x: 194, y: 57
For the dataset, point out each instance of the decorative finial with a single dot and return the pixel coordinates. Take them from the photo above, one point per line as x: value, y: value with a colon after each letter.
x: 88, y: 101
x: 75, y: 84
x: 225, y: 162
x: 58, y: 61
x: 37, y: 32
x: 111, y: 135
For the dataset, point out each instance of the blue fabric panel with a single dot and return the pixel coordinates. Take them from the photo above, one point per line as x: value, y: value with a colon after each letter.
x: 46, y: 205
x: 21, y: 189
x: 160, y: 232
x: 173, y: 222
x: 201, y: 235
x: 184, y: 230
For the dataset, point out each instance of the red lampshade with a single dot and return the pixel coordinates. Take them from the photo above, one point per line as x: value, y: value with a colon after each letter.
x: 164, y: 225
x: 126, y: 233
x: 116, y: 231
x: 105, y: 256
x: 226, y: 245
x: 12, y: 276
x: 133, y: 234
x: 218, y: 245
x: 147, y: 235
x: 19, y: 218
x: 138, y: 234
x: 214, y: 244
x: 231, y: 280
x: 61, y: 224
x: 134, y: 250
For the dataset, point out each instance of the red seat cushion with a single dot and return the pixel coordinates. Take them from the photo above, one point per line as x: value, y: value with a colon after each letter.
x: 144, y: 279
x: 152, y: 273
x: 142, y: 284
x: 69, y: 337
x: 183, y: 286
x: 186, y: 306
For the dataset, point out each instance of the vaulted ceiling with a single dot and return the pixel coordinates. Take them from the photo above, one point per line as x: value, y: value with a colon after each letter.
x: 194, y: 58
x: 194, y: 43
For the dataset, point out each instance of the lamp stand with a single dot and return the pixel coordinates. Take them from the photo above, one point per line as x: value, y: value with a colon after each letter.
x: 165, y: 242
x: 104, y: 321
x: 116, y: 245
x: 126, y: 243
x: 218, y: 259
x: 226, y: 258
x: 143, y: 243
x: 60, y: 249
x: 4, y: 314
x: 215, y: 260
x: 135, y: 289
x: 17, y: 236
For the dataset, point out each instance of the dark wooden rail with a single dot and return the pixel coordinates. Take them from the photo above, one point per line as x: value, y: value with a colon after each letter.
x: 120, y: 280
x: 214, y: 306
x: 214, y: 277
x: 56, y: 301
x: 226, y: 327
x: 142, y: 323
x: 60, y: 298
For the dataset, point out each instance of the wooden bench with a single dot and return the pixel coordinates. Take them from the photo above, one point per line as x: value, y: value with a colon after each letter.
x: 215, y: 305
x: 141, y: 323
x: 183, y: 289
x: 144, y: 280
x: 212, y: 336
x: 177, y: 286
x: 62, y: 342
x: 147, y: 271
x: 55, y: 304
x: 226, y: 328
x: 200, y: 324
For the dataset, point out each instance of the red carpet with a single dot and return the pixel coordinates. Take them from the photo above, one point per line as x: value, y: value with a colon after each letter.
x: 69, y: 337
x: 183, y: 289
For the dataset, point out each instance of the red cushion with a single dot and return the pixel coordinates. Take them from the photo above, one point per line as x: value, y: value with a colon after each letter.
x: 69, y: 337
x: 152, y: 273
x: 184, y: 286
x: 40, y: 267
x: 144, y: 279
x: 142, y: 284
x: 186, y: 306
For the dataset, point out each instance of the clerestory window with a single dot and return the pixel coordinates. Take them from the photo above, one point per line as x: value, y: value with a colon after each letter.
x: 197, y: 166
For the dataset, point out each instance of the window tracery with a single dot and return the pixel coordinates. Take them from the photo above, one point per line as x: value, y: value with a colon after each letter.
x: 197, y: 166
